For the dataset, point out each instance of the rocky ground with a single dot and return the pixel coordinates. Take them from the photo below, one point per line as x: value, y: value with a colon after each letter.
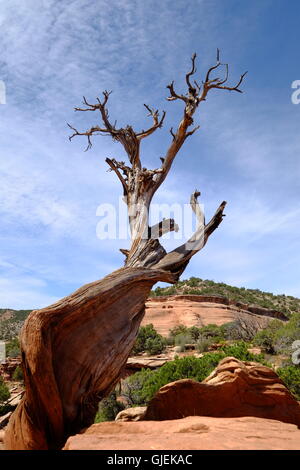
x: 240, y: 406
x: 193, y: 432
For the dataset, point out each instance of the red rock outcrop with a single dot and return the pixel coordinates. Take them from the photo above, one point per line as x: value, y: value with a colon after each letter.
x: 192, y: 433
x: 8, y: 367
x: 235, y: 388
x: 197, y: 310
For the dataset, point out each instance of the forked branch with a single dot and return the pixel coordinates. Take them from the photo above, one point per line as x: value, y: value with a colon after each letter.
x: 192, y: 98
x: 157, y: 123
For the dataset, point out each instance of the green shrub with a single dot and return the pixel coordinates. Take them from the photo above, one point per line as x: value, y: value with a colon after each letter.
x: 239, y: 350
x: 211, y: 331
x: 148, y: 340
x: 290, y: 375
x: 108, y: 409
x: 278, y: 337
x: 18, y: 374
x: 181, y: 340
x: 143, y: 385
x: 147, y: 382
x: 155, y: 345
x: 203, y: 344
x: 13, y: 348
x: 177, y: 330
x: 194, y: 332
x: 4, y: 391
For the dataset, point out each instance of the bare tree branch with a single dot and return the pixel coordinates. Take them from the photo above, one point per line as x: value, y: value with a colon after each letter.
x: 174, y: 96
x: 195, y: 95
x: 192, y: 89
x: 114, y: 168
x: 177, y: 259
x: 163, y: 227
x: 157, y: 123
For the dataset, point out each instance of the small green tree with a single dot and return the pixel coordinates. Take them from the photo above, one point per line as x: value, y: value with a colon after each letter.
x: 290, y: 375
x: 4, y: 391
x: 18, y: 374
x: 108, y: 408
x: 13, y: 347
x: 148, y: 340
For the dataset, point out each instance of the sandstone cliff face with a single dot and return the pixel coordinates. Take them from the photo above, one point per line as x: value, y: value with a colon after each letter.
x: 197, y: 310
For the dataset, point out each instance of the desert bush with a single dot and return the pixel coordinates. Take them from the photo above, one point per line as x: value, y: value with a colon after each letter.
x: 4, y: 391
x: 147, y: 382
x: 278, y: 337
x: 143, y: 385
x: 211, y: 331
x: 239, y: 350
x: 177, y: 330
x: 193, y: 333
x: 18, y: 374
x: 181, y: 340
x: 203, y: 343
x: 155, y: 345
x: 13, y: 347
x: 148, y: 340
x: 108, y: 409
x: 290, y: 375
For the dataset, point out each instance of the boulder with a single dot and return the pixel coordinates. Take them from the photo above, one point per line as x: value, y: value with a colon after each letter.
x: 192, y: 433
x: 132, y: 414
x: 235, y: 388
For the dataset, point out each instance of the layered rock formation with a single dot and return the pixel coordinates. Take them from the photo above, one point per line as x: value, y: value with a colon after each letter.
x: 192, y: 433
x: 235, y: 388
x: 198, y: 310
x: 240, y: 406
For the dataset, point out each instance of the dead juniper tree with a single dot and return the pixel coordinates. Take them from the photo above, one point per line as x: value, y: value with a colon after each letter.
x: 74, y: 350
x: 140, y: 184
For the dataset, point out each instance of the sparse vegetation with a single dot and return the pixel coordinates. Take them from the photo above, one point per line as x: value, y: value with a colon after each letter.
x: 18, y: 374
x: 148, y: 340
x: 4, y: 391
x: 290, y: 375
x: 108, y: 408
x: 13, y: 348
x: 197, y: 286
x: 11, y: 322
x: 144, y: 384
x: 278, y: 337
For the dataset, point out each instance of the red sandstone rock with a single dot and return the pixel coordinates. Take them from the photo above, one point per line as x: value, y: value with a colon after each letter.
x: 235, y: 388
x: 196, y: 310
x: 194, y: 432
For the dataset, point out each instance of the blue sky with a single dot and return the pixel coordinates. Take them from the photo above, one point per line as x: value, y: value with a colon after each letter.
x: 246, y: 151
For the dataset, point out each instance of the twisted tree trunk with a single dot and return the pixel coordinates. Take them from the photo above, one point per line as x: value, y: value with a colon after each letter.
x: 73, y: 351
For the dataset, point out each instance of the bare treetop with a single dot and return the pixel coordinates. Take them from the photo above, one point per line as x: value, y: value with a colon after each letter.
x: 140, y: 184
